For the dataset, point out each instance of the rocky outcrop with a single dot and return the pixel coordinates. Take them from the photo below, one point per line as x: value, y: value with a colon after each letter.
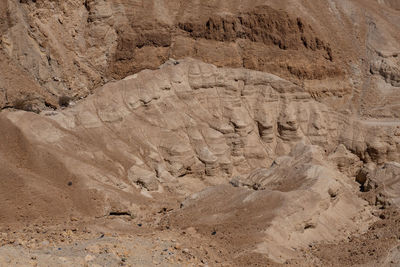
x: 347, y: 162
x: 277, y: 121
x: 71, y: 48
x: 383, y: 182
x: 388, y: 69
x: 193, y: 119
x: 143, y: 178
x: 189, y: 124
x: 266, y: 25
x: 300, y: 195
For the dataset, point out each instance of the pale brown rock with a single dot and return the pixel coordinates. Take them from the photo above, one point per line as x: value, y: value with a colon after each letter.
x: 240, y: 133
x: 71, y: 48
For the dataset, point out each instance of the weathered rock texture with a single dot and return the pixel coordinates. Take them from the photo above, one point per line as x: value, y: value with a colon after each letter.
x: 153, y: 130
x: 297, y: 201
x: 341, y: 51
x: 251, y: 130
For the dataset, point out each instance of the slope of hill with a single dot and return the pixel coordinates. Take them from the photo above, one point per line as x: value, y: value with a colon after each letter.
x: 236, y: 133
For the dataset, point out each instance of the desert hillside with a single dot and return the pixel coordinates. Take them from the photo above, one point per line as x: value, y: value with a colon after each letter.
x: 199, y: 133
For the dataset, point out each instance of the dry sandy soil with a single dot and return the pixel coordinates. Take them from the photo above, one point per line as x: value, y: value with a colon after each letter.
x: 199, y: 133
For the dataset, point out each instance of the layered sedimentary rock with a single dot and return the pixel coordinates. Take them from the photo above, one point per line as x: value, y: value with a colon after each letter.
x: 300, y: 199
x: 278, y: 121
x: 191, y: 119
x: 71, y: 48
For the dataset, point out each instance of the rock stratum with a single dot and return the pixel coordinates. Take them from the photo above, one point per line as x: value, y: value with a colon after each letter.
x: 242, y: 133
x: 292, y: 162
x: 339, y: 52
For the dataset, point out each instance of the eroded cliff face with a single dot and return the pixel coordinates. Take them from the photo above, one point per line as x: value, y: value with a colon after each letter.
x: 260, y: 127
x: 189, y: 125
x: 193, y: 118
x: 340, y: 52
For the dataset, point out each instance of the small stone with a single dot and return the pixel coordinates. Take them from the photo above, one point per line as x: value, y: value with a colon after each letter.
x: 178, y: 246
x: 21, y: 242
